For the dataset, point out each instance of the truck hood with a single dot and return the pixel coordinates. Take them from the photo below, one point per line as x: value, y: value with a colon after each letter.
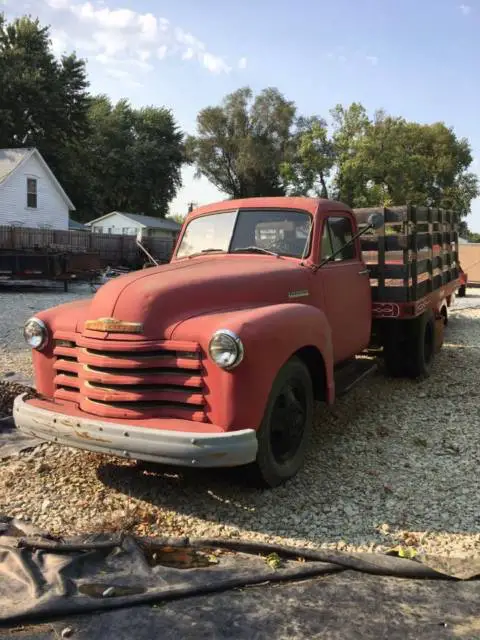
x: 162, y: 297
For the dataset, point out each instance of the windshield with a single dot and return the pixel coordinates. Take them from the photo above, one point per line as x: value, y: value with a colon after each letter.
x: 281, y: 232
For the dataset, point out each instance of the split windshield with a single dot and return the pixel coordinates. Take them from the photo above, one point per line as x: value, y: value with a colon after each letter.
x: 281, y: 232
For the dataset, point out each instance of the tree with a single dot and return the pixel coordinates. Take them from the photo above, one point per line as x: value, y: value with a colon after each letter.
x: 241, y: 145
x: 105, y: 156
x: 141, y: 154
x: 313, y: 158
x: 43, y: 101
x: 390, y: 161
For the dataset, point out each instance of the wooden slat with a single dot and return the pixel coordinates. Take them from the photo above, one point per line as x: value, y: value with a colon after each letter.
x: 416, y: 251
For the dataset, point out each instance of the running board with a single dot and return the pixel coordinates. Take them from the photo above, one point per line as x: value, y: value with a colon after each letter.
x: 350, y: 373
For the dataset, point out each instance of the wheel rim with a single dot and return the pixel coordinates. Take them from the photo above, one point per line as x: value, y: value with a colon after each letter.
x: 288, y: 420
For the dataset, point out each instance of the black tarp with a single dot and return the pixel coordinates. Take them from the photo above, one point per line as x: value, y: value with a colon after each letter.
x: 142, y: 588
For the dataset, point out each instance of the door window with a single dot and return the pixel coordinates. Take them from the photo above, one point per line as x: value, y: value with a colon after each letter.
x: 337, y: 232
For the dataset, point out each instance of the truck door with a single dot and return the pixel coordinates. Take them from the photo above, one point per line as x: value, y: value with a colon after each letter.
x: 346, y: 288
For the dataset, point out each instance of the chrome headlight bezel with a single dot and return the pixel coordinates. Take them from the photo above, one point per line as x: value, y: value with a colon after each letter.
x: 230, y: 340
x: 43, y: 333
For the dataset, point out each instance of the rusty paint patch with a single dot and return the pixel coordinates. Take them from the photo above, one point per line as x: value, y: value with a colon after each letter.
x: 84, y: 435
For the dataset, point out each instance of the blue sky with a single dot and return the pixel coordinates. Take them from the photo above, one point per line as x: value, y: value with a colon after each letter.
x: 418, y: 59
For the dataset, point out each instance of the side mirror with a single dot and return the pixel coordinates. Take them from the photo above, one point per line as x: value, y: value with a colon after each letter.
x: 376, y: 221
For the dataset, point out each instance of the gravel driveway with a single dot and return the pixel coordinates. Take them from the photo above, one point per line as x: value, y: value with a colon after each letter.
x: 394, y: 462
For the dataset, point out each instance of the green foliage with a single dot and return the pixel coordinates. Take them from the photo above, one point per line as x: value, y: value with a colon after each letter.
x: 274, y: 561
x: 105, y: 156
x: 258, y: 146
x: 241, y: 145
x: 392, y: 161
x: 472, y: 236
x: 312, y: 159
x: 133, y: 158
x: 43, y: 101
x: 177, y: 218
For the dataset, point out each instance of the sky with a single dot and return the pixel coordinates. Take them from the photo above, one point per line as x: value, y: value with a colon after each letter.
x: 414, y: 58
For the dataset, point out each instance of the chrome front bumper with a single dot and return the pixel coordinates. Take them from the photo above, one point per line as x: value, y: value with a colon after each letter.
x: 181, y: 448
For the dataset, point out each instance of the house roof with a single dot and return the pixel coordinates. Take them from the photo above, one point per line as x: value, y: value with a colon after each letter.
x: 73, y: 224
x: 144, y: 221
x: 13, y: 159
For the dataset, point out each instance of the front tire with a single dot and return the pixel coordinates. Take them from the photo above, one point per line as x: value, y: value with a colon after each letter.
x: 286, y: 427
x: 462, y: 291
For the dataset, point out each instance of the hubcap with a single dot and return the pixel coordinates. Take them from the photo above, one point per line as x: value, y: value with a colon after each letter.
x: 288, y: 421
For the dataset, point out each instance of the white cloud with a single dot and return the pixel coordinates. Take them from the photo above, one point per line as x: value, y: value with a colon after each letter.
x: 119, y: 37
x: 162, y: 52
x: 124, y: 76
x: 353, y: 58
x: 59, y: 41
x: 242, y: 63
x: 188, y: 54
x: 465, y: 9
x: 215, y: 64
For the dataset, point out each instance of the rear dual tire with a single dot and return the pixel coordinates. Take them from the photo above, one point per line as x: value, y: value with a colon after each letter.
x: 409, y: 348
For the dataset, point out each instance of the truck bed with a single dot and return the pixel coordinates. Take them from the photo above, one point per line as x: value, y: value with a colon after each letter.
x: 413, y: 255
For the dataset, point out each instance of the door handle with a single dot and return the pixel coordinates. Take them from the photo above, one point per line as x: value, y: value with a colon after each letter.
x: 364, y: 272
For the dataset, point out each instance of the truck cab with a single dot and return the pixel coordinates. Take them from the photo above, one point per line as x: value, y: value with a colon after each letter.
x: 217, y: 358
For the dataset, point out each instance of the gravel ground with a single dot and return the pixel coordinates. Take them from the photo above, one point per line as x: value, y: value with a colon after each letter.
x: 393, y: 463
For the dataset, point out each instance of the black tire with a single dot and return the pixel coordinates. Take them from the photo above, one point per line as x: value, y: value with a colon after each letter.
x: 286, y: 427
x: 462, y: 291
x: 421, y: 351
x: 394, y: 357
x: 409, y: 349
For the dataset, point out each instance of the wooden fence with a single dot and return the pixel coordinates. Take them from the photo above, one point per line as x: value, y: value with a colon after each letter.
x: 112, y: 249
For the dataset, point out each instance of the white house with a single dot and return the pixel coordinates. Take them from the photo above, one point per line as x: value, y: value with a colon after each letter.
x: 30, y: 195
x: 118, y: 222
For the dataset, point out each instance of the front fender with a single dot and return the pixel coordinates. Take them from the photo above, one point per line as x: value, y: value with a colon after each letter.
x: 271, y: 335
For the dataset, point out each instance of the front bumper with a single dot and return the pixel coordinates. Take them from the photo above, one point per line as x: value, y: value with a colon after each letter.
x: 172, y: 447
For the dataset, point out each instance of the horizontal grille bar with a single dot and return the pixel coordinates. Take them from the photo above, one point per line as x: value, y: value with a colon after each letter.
x: 139, y: 393
x: 139, y: 410
x: 134, y: 360
x: 157, y: 377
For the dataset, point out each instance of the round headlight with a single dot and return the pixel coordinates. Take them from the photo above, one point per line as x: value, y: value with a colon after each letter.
x: 226, y: 349
x: 35, y: 333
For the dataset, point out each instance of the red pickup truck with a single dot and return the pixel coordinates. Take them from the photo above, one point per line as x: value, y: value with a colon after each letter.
x: 216, y: 358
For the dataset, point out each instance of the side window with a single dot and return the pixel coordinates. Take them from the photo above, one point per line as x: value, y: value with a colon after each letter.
x: 337, y: 232
x: 326, y: 242
x: 31, y: 193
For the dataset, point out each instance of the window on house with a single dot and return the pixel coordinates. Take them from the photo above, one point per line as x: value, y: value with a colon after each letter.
x: 337, y: 231
x: 98, y: 229
x: 32, y: 193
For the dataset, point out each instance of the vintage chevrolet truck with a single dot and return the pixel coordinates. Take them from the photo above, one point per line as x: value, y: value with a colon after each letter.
x: 217, y: 358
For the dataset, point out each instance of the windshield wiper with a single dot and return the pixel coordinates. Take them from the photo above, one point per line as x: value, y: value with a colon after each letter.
x: 255, y: 250
x: 199, y: 253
